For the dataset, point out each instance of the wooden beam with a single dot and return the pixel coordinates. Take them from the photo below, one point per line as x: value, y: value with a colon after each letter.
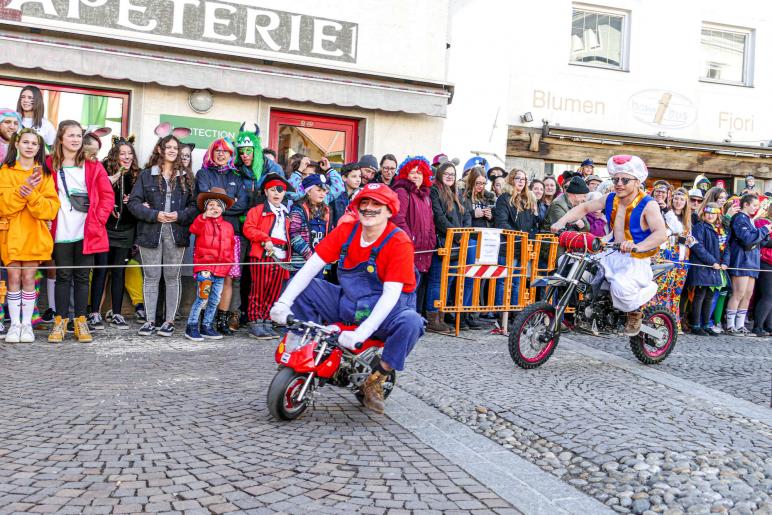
x: 707, y: 162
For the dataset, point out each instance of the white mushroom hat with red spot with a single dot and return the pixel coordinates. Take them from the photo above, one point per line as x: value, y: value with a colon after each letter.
x: 631, y: 165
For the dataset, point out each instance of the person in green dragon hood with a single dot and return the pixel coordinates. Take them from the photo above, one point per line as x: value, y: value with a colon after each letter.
x: 249, y: 163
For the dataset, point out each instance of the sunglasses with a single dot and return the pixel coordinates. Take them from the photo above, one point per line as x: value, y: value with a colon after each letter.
x: 624, y: 180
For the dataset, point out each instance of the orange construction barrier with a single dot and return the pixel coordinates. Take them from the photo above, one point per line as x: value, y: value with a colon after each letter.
x: 472, y: 254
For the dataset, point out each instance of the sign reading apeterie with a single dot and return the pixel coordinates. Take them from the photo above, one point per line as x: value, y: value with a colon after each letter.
x: 227, y: 26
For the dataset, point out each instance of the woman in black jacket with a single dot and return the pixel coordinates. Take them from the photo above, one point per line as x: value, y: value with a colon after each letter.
x: 448, y: 213
x: 122, y: 170
x: 478, y: 201
x: 516, y: 210
x: 709, y: 262
x: 164, y: 203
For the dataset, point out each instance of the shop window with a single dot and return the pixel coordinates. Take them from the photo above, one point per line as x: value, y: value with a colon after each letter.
x: 91, y: 107
x: 726, y: 55
x: 314, y: 136
x: 599, y: 38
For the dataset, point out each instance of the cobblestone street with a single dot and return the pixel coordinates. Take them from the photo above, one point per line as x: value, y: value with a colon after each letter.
x: 130, y: 425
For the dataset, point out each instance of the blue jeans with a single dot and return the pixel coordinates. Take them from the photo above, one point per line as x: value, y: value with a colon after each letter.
x: 210, y: 304
x: 435, y: 273
x: 500, y: 285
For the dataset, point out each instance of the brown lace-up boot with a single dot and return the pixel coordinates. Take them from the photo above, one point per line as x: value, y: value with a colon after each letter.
x: 372, y: 389
x: 633, y: 325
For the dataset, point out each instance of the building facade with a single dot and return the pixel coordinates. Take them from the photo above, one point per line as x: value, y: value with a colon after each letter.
x: 683, y: 84
x: 335, y: 78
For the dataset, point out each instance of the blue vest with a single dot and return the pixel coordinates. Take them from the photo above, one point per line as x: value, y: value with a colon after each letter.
x: 633, y: 216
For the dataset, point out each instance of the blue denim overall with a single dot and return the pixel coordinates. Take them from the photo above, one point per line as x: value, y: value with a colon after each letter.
x: 353, y: 300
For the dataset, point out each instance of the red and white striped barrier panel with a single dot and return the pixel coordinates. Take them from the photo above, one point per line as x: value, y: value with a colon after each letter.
x: 485, y: 271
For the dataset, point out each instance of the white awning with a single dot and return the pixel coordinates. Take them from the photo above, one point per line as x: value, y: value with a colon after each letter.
x: 169, y: 68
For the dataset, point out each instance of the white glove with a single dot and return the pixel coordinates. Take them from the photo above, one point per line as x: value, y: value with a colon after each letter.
x: 279, y: 313
x: 349, y: 339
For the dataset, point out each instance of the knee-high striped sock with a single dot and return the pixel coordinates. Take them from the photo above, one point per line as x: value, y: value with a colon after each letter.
x: 27, y: 306
x: 739, y: 321
x: 731, y: 314
x: 14, y: 306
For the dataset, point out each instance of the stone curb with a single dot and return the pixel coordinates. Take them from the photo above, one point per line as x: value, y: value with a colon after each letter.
x: 734, y: 404
x: 524, y: 485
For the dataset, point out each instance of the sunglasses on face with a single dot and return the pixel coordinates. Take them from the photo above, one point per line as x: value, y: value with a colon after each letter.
x: 624, y: 180
x: 695, y: 200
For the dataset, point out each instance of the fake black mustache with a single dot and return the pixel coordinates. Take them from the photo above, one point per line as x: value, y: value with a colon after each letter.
x: 370, y: 212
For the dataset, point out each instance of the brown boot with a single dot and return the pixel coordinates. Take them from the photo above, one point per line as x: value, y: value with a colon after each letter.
x: 372, y: 389
x: 633, y: 325
x: 435, y: 324
x: 233, y: 320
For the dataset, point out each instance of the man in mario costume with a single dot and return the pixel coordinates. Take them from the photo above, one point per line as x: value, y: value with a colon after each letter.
x: 377, y: 286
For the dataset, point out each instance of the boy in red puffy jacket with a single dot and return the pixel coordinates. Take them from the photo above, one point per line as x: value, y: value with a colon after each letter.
x: 213, y: 257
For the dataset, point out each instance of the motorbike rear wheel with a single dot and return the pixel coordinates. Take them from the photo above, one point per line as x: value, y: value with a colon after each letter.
x: 283, y: 392
x: 645, y: 347
x: 388, y: 387
x: 526, y: 345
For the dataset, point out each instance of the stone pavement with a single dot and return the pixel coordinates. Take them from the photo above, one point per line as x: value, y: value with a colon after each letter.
x: 130, y: 424
x: 164, y: 425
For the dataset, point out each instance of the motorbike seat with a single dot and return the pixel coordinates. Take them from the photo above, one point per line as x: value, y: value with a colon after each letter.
x: 661, y: 269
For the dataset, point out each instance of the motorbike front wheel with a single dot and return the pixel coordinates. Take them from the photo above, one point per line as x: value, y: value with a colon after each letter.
x: 283, y: 392
x: 529, y: 346
x: 650, y: 350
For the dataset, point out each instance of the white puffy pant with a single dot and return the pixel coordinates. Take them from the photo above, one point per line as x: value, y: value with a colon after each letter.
x: 631, y: 279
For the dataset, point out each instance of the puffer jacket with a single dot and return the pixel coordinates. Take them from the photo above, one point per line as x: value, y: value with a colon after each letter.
x: 706, y: 251
x: 415, y: 217
x: 743, y: 236
x: 506, y: 216
x: 214, y: 245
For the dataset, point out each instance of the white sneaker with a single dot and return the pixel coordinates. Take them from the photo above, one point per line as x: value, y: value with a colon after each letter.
x: 715, y: 329
x: 27, y: 335
x: 14, y: 334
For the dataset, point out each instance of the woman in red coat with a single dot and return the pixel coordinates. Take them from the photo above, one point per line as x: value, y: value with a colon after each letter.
x: 412, y: 186
x: 79, y: 229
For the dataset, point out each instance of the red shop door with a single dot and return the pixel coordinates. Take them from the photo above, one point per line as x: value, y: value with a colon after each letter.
x: 313, y: 135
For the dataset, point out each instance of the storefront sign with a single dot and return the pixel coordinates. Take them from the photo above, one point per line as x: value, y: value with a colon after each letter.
x: 663, y: 109
x: 227, y: 26
x: 203, y: 131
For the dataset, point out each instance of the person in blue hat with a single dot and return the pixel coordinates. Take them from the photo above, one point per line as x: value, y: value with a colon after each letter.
x: 587, y: 168
x: 476, y: 161
x: 310, y: 217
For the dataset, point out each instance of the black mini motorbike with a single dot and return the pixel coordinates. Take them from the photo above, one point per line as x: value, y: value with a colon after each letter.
x: 578, y: 283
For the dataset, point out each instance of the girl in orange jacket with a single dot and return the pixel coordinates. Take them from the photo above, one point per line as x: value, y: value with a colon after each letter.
x: 28, y: 203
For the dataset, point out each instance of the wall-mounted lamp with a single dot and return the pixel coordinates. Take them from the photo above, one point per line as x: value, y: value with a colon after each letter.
x: 201, y: 100
x: 527, y: 117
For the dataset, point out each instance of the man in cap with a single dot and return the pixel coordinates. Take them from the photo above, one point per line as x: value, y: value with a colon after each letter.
x: 10, y: 121
x: 368, y: 164
x: 750, y: 185
x: 576, y: 191
x: 587, y: 168
x: 695, y: 201
x: 638, y: 225
x: 376, y: 291
x: 593, y: 181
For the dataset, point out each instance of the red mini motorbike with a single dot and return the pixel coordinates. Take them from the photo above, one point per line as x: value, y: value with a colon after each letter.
x: 309, y: 358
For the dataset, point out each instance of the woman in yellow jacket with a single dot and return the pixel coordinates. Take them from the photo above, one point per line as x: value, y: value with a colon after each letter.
x: 28, y: 202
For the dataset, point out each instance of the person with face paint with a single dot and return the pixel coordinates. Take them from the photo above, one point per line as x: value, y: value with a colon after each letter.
x: 186, y: 157
x: 310, y: 218
x: 249, y: 163
x: 213, y: 255
x: 10, y: 122
x: 376, y: 291
x: 267, y: 227
x: 636, y: 223
x: 28, y: 202
x: 32, y: 110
